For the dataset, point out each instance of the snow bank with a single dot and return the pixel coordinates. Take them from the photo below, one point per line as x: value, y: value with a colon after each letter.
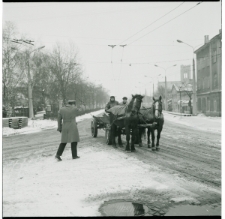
x: 212, y: 124
x: 40, y: 125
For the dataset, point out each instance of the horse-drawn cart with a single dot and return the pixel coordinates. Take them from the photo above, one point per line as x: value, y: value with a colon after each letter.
x: 101, y: 122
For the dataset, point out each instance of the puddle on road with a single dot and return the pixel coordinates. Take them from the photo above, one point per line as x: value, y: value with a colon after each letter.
x: 124, y: 209
x: 190, y: 210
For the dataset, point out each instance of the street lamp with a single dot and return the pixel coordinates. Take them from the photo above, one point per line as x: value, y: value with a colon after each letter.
x: 165, y: 69
x: 180, y: 96
x: 194, y: 82
x: 30, y: 95
x: 152, y: 84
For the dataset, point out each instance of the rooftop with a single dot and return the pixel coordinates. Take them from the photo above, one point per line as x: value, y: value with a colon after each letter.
x: 207, y: 44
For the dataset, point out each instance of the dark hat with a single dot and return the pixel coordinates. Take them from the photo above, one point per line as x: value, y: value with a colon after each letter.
x: 71, y: 101
x: 124, y: 98
x: 112, y: 96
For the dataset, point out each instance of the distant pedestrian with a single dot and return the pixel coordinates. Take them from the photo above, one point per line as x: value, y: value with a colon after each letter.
x: 68, y: 129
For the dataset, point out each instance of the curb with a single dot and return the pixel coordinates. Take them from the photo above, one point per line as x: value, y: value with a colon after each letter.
x: 178, y: 114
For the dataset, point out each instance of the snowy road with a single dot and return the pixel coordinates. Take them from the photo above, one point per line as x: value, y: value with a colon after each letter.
x: 187, y: 169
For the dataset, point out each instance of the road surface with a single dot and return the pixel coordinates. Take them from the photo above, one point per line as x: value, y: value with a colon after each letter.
x: 186, y: 170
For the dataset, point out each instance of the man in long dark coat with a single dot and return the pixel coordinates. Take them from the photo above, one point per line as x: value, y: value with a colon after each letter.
x: 68, y: 129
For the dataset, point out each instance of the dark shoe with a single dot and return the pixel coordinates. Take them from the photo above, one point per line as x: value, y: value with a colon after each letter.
x: 76, y: 157
x: 58, y: 158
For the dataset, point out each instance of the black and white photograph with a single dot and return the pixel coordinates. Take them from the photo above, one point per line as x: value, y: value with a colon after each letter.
x: 111, y: 109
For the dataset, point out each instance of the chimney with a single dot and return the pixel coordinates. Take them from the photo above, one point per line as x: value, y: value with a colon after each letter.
x: 206, y: 39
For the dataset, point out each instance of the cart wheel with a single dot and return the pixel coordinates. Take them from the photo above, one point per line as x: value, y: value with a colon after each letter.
x: 94, y: 129
x: 108, y: 136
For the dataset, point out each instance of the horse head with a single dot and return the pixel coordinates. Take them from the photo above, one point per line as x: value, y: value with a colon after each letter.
x: 138, y: 102
x: 157, y: 107
x: 135, y: 104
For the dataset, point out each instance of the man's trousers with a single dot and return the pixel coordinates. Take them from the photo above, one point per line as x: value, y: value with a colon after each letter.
x: 73, y: 149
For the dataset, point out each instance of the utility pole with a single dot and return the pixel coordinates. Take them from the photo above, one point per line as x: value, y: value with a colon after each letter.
x: 165, y: 69
x: 180, y: 96
x: 194, y: 111
x: 30, y: 95
x: 153, y: 90
x: 30, y: 90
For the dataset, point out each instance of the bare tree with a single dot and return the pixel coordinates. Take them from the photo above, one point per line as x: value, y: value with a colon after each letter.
x: 13, y: 67
x: 65, y: 68
x: 189, y: 92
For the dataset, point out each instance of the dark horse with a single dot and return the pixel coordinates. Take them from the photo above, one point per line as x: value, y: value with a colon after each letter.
x: 153, y: 116
x: 129, y: 121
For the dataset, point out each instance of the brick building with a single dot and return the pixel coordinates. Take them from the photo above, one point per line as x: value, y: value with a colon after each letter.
x: 209, y: 76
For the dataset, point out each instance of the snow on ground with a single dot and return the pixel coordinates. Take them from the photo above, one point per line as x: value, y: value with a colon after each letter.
x: 212, y: 124
x: 40, y: 124
x: 50, y: 188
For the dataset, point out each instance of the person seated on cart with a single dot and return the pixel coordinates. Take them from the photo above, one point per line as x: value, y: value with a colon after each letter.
x: 124, y: 102
x: 111, y: 103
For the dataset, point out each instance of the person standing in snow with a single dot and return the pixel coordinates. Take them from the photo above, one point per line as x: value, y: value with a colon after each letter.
x: 68, y: 129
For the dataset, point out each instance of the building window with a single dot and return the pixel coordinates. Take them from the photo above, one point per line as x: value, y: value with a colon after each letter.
x: 215, y: 106
x: 214, y: 56
x: 199, y: 105
x: 215, y: 80
x: 208, y: 104
x: 211, y: 105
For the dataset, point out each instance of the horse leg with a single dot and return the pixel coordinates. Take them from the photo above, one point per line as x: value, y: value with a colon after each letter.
x: 141, y: 130
x: 153, y: 139
x: 158, y: 137
x: 133, y: 137
x: 114, y: 136
x: 119, y: 138
x: 127, y: 138
x: 149, y: 132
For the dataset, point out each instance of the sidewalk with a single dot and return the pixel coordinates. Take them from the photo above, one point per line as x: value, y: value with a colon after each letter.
x: 211, y: 124
x: 39, y: 125
x: 180, y: 114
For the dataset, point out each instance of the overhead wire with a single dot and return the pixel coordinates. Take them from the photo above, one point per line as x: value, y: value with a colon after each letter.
x: 153, y: 22
x: 166, y: 23
x: 121, y: 63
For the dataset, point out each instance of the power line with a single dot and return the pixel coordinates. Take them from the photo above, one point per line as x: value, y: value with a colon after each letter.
x: 121, y: 60
x: 166, y: 23
x: 135, y: 63
x: 153, y: 22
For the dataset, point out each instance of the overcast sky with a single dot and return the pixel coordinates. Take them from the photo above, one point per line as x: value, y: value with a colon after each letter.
x: 94, y: 26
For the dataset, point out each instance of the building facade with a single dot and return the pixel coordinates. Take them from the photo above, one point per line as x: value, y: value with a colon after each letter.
x: 209, y: 76
x: 185, y: 73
